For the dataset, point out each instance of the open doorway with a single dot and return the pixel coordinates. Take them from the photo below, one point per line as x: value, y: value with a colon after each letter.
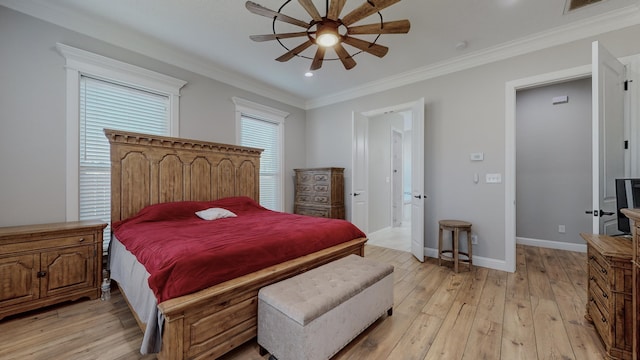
x: 553, y: 164
x: 389, y: 178
x: 363, y: 158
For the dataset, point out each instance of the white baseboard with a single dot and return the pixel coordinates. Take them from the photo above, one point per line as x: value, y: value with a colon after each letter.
x: 477, y: 260
x: 552, y: 244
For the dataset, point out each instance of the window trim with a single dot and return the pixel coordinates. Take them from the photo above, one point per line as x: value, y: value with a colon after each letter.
x: 81, y: 62
x: 266, y: 113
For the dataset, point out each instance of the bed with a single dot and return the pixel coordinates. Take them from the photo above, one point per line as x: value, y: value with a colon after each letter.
x: 148, y: 170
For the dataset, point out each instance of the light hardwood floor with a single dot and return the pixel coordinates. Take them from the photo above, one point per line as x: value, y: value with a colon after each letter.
x: 534, y: 313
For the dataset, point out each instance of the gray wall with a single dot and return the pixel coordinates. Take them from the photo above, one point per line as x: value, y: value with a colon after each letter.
x: 464, y: 113
x: 32, y: 120
x: 553, y: 162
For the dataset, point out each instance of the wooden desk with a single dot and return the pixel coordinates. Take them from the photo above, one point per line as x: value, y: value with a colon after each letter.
x: 610, y: 292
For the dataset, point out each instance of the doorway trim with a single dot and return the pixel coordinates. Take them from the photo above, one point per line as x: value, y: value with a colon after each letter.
x: 511, y: 87
x: 416, y: 107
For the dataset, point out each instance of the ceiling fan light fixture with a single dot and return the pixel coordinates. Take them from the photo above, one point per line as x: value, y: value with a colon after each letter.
x: 331, y: 30
x: 327, y: 36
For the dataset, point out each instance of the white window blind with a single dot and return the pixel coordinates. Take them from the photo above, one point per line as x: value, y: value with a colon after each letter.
x: 109, y: 105
x: 265, y: 135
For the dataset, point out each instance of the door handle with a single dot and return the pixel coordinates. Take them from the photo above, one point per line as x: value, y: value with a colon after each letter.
x: 594, y: 212
x: 356, y: 194
x: 420, y: 196
x: 603, y: 213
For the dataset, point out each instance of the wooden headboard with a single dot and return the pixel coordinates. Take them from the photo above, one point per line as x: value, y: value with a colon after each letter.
x: 150, y: 169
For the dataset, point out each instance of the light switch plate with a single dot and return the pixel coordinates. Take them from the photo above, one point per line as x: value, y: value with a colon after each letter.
x: 476, y: 156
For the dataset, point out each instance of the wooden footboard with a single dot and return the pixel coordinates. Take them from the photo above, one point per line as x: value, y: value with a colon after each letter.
x: 213, y: 321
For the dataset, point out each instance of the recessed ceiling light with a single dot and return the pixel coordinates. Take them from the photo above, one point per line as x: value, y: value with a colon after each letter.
x: 308, y: 74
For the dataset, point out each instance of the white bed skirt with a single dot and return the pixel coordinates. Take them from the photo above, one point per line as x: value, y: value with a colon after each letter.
x: 132, y: 278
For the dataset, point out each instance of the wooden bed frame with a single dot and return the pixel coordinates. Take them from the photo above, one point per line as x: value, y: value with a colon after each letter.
x: 149, y: 169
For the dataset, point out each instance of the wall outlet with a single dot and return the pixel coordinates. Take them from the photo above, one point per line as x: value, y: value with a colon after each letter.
x: 561, y: 229
x: 474, y: 239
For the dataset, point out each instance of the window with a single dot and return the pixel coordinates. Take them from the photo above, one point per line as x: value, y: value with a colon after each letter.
x: 262, y: 127
x: 105, y: 93
x: 107, y: 105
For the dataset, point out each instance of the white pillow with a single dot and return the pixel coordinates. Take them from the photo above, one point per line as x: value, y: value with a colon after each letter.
x: 214, y: 213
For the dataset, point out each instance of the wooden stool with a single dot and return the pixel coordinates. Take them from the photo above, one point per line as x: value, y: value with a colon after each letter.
x: 455, y: 226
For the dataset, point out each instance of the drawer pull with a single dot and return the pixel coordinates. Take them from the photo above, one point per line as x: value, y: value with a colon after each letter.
x: 592, y: 257
x: 605, y: 295
x: 604, y: 320
x: 593, y: 278
x: 81, y: 240
x: 604, y: 271
x: 592, y: 300
x: 42, y: 274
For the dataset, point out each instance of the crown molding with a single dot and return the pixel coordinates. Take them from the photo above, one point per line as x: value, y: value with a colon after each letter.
x: 148, y: 46
x: 610, y: 21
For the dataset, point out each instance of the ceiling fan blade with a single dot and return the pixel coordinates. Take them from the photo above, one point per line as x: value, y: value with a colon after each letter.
x: 368, y: 47
x: 311, y: 9
x: 291, y: 53
x: 366, y: 9
x: 261, y: 10
x: 317, y: 60
x: 268, y: 37
x: 390, y: 27
x: 344, y: 56
x: 335, y: 8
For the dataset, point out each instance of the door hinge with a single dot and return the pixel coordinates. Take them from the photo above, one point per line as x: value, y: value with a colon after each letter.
x: 626, y: 84
x: 626, y: 144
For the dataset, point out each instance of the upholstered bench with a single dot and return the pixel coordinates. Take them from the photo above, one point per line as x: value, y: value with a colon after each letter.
x: 315, y: 314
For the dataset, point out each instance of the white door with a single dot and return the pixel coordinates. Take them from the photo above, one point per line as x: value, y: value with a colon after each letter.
x: 417, y: 179
x: 608, y: 76
x: 359, y: 179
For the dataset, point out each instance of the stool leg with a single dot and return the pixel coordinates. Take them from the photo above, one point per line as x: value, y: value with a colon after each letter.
x: 440, y: 247
x: 470, y: 246
x: 455, y: 249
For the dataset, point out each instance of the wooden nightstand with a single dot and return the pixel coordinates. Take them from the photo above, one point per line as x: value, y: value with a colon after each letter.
x: 610, y: 292
x: 45, y: 264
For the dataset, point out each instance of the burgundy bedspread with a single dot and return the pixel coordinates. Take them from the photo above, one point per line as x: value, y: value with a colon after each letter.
x: 184, y: 253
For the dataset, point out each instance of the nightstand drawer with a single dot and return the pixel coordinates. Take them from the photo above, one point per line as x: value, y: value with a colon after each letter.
x: 55, y: 242
x: 600, y: 321
x: 598, y: 294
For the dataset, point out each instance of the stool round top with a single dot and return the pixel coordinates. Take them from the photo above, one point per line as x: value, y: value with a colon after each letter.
x: 454, y: 223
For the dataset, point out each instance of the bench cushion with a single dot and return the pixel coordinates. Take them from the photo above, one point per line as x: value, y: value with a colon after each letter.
x: 309, y: 295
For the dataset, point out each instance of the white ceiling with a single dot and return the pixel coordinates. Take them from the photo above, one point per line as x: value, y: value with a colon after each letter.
x: 211, y: 37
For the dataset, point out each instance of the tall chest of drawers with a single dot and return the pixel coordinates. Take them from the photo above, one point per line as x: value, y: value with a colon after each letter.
x: 610, y: 292
x: 320, y: 192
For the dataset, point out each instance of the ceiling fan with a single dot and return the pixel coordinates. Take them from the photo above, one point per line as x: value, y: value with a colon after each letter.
x: 331, y: 30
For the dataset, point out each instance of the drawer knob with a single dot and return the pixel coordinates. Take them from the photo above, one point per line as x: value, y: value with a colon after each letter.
x: 604, y: 320
x: 605, y: 295
x: 42, y: 274
x: 604, y: 271
x: 592, y: 257
x: 593, y: 278
x: 81, y: 240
